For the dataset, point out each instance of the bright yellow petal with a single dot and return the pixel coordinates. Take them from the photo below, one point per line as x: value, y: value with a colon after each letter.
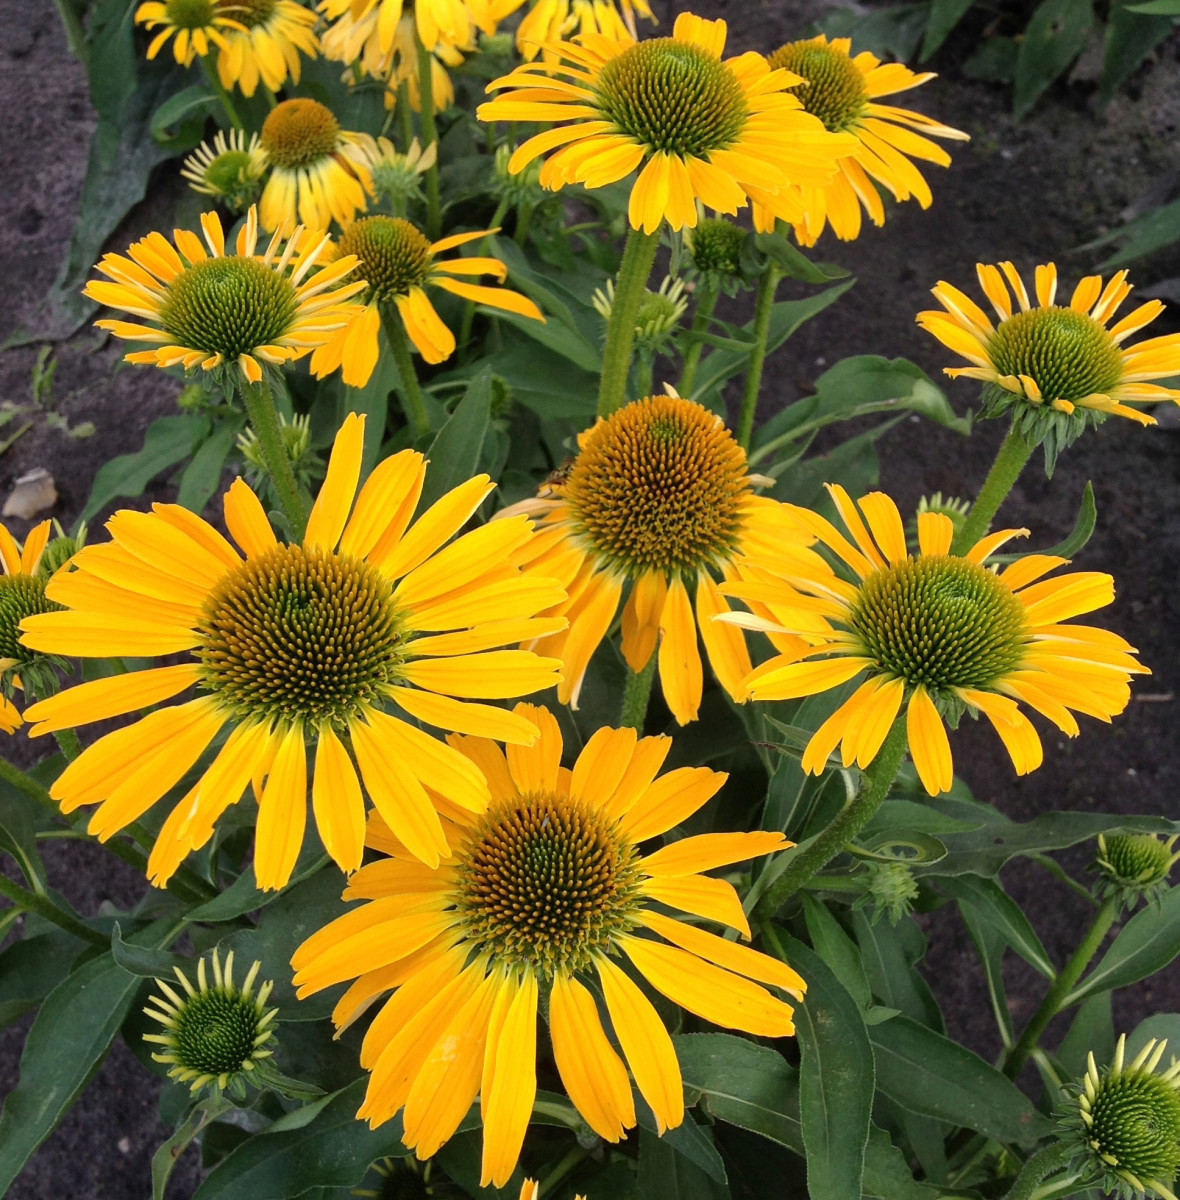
x: 246, y: 520
x: 330, y: 511
x: 113, y: 696
x: 282, y: 813
x: 701, y: 895
x: 929, y: 745
x: 706, y: 851
x: 513, y: 1086
x: 671, y: 799
x: 337, y: 802
x: 680, y: 661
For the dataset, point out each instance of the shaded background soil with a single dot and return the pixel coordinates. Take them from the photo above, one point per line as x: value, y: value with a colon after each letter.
x: 1029, y: 192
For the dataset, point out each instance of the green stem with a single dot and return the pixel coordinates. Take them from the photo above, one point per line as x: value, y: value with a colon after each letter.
x: 429, y: 136
x: 264, y: 420
x: 763, y: 305
x: 636, y: 266
x: 43, y: 906
x: 524, y: 216
x: 851, y: 819
x: 17, y: 779
x: 226, y: 103
x: 644, y: 371
x: 68, y: 744
x: 636, y: 693
x: 1045, y: 1162
x: 700, y: 322
x: 1062, y: 986
x: 1010, y: 460
x: 404, y: 115
x: 399, y: 343
x: 572, y: 1160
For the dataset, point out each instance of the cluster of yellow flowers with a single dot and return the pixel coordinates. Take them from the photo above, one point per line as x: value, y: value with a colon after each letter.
x: 498, y: 875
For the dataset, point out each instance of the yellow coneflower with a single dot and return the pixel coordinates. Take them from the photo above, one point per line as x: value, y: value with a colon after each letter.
x: 552, y: 21
x: 399, y: 263
x: 318, y: 170
x: 225, y: 313
x: 697, y: 127
x: 196, y: 25
x: 1055, y: 358
x: 297, y: 646
x: 658, y: 498
x: 937, y: 633
x: 545, y: 889
x: 267, y: 51
x: 396, y: 176
x: 843, y: 91
x: 231, y: 169
x: 22, y: 594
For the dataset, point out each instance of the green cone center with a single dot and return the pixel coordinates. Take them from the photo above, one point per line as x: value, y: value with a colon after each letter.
x: 1068, y: 354
x: 301, y: 635
x: 546, y: 880
x: 717, y: 246
x: 190, y: 14
x: 1137, y: 858
x: 215, y: 1031
x: 940, y: 622
x: 228, y: 306
x: 1136, y: 1125
x: 229, y: 171
x: 20, y: 596
x: 658, y: 486
x: 833, y: 89
x: 672, y: 96
x: 395, y: 256
x: 298, y: 132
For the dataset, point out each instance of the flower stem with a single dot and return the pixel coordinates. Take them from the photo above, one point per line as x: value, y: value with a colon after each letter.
x: 264, y: 420
x: 68, y: 744
x: 1062, y: 986
x: 429, y: 136
x: 222, y: 95
x: 1045, y: 1162
x: 43, y: 906
x: 636, y: 693
x: 763, y: 305
x: 524, y: 217
x: 851, y: 819
x: 16, y: 778
x: 411, y: 392
x: 404, y: 115
x: 1010, y: 460
x: 634, y: 270
x: 700, y: 322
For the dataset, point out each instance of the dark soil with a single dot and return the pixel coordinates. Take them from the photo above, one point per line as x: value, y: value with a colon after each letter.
x: 1027, y: 192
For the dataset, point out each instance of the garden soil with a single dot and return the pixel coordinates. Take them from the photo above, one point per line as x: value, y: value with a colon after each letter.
x: 1028, y: 192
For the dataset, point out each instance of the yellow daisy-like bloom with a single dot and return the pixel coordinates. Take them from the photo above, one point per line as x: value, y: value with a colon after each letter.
x: 22, y: 594
x: 1053, y: 356
x: 318, y: 170
x: 658, y: 497
x: 196, y: 25
x: 227, y: 313
x: 295, y: 646
x: 231, y: 169
x: 546, y: 888
x: 366, y: 29
x: 399, y: 263
x: 551, y: 21
x: 936, y: 632
x: 267, y: 51
x: 842, y: 91
x: 699, y: 127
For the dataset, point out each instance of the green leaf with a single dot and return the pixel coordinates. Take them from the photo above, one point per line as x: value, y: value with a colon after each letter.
x: 910, y: 816
x: 30, y: 969
x: 1146, y: 944
x: 1054, y: 37
x: 168, y: 441
x: 689, y: 1140
x: 1092, y: 1030
x: 562, y: 339
x: 1163, y: 8
x: 179, y: 122
x: 995, y: 908
x: 1083, y: 526
x: 1131, y: 35
x: 1142, y: 236
x: 1160, y: 1026
x: 18, y: 833
x: 331, y: 1148
x: 836, y: 1079
x: 890, y: 32
x: 929, y: 1074
x: 994, y: 61
x: 168, y: 1152
x: 202, y: 476
x: 70, y: 1037
x: 666, y: 1175
x: 944, y: 16
x: 889, y: 954
x: 144, y: 961
x: 990, y: 947
x: 837, y: 949
x: 455, y: 452
x: 794, y: 263
x: 244, y: 896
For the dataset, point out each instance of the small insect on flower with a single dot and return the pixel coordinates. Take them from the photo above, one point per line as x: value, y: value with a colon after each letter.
x: 213, y: 1033
x: 232, y: 315
x: 231, y: 169
x: 1057, y: 368
x: 548, y: 888
x: 936, y: 632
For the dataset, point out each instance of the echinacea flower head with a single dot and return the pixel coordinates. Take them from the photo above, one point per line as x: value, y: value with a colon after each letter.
x: 695, y: 125
x: 1055, y: 367
x: 297, y: 646
x: 318, y: 170
x: 1134, y: 866
x: 214, y: 1033
x: 658, y: 500
x: 22, y: 594
x: 231, y: 169
x: 230, y: 314
x: 267, y: 49
x: 551, y: 21
x: 400, y: 262
x: 396, y: 176
x: 843, y: 91
x: 1127, y: 1124
x: 195, y: 26
x: 547, y: 888
x: 658, y: 316
x: 716, y: 247
x: 934, y: 632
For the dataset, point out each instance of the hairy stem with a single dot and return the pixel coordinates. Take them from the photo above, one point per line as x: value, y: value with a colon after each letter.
x: 634, y: 270
x: 43, y: 906
x: 226, y: 103
x: 700, y: 322
x: 1013, y: 454
x: 429, y: 136
x: 1045, y: 1162
x: 264, y: 420
x: 399, y: 343
x: 636, y: 693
